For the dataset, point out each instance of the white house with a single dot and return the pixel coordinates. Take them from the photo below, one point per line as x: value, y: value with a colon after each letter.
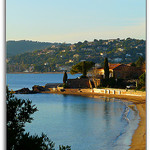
x: 128, y: 55
x: 63, y: 68
x: 116, y: 60
x: 140, y: 54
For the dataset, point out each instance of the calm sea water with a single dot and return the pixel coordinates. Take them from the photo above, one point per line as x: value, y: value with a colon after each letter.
x: 83, y: 123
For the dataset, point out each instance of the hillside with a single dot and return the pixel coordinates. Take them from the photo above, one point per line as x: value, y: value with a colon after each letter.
x: 19, y: 47
x: 63, y: 56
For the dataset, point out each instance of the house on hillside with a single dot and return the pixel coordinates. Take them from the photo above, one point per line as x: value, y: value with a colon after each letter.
x: 128, y: 55
x: 53, y: 46
x: 64, y: 51
x: 76, y: 56
x: 140, y: 54
x: 64, y: 68
x: 117, y: 60
x: 111, y: 40
x: 72, y: 46
x: 121, y: 71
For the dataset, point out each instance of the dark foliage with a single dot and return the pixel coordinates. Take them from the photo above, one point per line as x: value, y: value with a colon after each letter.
x: 18, y: 113
x: 78, y: 68
x: 22, y: 46
x: 106, y: 69
x: 61, y: 147
x: 142, y: 83
x: 133, y: 64
x: 35, y: 142
x: 120, y: 83
x: 84, y: 72
x: 65, y: 77
x: 113, y: 83
x: 139, y: 62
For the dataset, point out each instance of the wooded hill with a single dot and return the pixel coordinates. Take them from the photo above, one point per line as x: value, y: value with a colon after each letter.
x: 19, y: 47
x: 58, y: 57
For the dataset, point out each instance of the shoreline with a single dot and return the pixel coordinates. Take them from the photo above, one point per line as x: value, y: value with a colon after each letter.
x: 138, y: 141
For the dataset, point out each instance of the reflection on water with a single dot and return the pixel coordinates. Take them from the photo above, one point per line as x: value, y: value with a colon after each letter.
x: 83, y: 123
x: 107, y: 116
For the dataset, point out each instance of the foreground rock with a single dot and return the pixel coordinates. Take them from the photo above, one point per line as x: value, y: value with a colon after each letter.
x: 24, y: 91
x: 35, y: 89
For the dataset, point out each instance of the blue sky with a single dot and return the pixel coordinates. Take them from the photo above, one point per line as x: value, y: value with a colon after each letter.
x: 75, y: 20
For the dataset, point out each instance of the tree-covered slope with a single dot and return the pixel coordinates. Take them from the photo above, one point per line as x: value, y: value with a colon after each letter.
x: 19, y: 47
x: 63, y: 56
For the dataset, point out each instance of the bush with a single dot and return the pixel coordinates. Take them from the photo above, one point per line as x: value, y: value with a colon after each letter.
x: 112, y: 82
x: 64, y: 85
x: 143, y: 88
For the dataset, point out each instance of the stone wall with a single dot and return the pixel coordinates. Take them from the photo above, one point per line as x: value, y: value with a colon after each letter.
x: 78, y: 83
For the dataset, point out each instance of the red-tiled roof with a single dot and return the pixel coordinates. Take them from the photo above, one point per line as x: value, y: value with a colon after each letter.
x: 112, y: 66
x: 129, y: 64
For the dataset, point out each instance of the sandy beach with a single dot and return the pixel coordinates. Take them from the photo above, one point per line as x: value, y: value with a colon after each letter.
x: 139, y: 137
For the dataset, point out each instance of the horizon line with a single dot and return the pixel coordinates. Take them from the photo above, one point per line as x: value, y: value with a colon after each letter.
x: 76, y: 42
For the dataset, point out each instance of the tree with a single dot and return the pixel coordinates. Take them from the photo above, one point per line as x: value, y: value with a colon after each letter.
x: 28, y: 142
x: 140, y: 62
x: 95, y: 40
x: 142, y: 81
x: 78, y: 68
x: 19, y: 112
x: 106, y: 69
x: 84, y: 69
x: 133, y: 64
x: 61, y: 147
x: 65, y: 77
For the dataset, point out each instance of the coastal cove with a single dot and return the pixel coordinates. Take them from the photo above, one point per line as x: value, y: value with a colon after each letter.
x: 93, y: 103
x: 139, y: 137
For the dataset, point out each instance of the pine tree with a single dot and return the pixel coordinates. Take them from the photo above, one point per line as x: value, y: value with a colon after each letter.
x: 106, y: 69
x: 65, y: 77
x: 84, y: 72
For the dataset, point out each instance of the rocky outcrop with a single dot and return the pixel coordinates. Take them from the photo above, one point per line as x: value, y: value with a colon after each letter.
x: 24, y: 91
x: 35, y: 89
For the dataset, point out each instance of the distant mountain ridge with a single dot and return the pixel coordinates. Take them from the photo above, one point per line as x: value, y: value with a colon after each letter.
x: 19, y: 47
